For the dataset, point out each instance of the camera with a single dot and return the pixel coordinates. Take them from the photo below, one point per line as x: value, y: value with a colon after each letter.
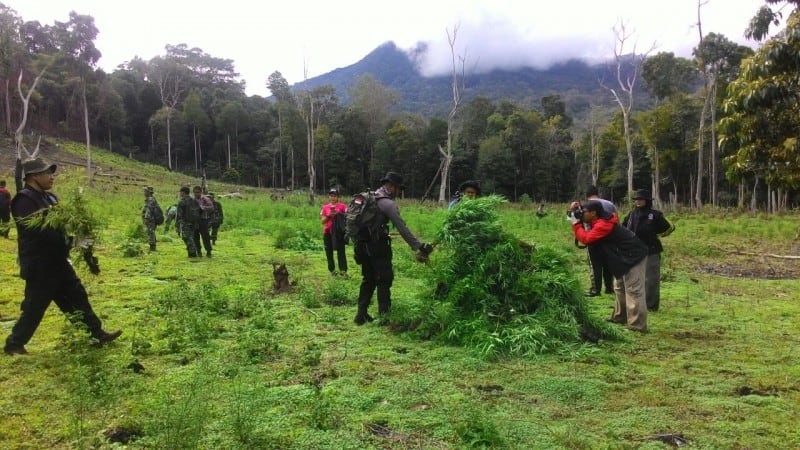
x: 576, y: 213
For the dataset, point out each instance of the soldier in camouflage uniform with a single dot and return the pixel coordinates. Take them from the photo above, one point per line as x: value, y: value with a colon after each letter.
x: 171, y: 216
x: 215, y: 219
x: 188, y: 221
x: 148, y: 216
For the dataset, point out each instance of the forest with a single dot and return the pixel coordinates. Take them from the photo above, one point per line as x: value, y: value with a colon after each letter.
x: 717, y: 129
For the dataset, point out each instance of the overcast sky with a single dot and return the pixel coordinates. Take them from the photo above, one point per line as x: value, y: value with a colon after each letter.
x: 286, y: 35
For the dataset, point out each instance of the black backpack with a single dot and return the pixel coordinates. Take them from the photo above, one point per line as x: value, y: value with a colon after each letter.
x: 360, y: 217
x: 158, y: 213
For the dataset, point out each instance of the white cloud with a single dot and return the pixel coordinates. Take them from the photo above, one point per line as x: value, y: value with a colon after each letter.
x: 262, y: 37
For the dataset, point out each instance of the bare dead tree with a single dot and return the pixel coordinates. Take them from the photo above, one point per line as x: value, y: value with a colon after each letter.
x: 698, y: 195
x: 170, y: 89
x: 308, y: 119
x: 457, y: 86
x: 594, y: 159
x: 18, y: 140
x: 628, y: 67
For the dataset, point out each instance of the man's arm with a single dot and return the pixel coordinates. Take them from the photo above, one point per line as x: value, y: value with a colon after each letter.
x: 389, y: 209
x: 600, y: 229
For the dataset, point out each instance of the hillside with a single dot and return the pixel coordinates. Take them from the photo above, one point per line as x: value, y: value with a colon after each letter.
x: 577, y: 82
x: 212, y: 357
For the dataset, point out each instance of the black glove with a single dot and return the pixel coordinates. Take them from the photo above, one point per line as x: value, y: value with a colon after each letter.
x: 426, y: 249
x: 92, y: 262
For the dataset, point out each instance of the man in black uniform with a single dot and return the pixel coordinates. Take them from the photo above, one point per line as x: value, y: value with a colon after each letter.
x: 44, y: 264
x: 374, y: 252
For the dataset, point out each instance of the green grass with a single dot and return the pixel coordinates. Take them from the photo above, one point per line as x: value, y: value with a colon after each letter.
x: 228, y: 364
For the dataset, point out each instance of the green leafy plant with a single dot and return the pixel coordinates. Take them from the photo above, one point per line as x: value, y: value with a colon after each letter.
x: 510, y: 297
x: 74, y: 217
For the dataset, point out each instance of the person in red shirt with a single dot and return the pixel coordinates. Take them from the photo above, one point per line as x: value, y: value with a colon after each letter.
x: 5, y: 209
x: 332, y: 238
x: 625, y: 256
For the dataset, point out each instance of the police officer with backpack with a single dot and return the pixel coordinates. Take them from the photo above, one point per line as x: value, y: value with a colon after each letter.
x: 373, y: 249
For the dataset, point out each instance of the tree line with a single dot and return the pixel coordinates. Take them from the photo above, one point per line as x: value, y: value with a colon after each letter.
x: 705, y: 130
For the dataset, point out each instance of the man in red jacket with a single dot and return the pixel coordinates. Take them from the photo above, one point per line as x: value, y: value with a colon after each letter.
x: 625, y: 255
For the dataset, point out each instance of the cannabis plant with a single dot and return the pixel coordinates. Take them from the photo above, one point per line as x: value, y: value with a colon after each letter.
x: 500, y: 295
x: 74, y: 217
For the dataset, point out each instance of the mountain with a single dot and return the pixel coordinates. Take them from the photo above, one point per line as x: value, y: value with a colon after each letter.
x: 577, y: 82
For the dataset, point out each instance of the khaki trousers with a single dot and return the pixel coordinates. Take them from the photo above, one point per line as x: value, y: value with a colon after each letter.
x: 630, y: 306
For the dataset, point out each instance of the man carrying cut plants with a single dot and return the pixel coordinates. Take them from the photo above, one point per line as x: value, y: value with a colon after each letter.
x: 625, y: 255
x: 44, y: 264
x: 373, y: 249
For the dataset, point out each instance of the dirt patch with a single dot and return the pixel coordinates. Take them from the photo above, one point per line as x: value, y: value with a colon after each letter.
x: 754, y: 260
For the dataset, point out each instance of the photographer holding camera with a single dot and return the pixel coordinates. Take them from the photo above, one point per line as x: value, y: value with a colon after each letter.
x: 600, y: 273
x: 624, y: 254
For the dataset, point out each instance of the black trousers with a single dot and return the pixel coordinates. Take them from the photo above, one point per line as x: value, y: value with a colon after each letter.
x: 600, y: 272
x: 5, y: 221
x: 202, y: 233
x: 61, y: 285
x: 341, y: 256
x: 376, y: 273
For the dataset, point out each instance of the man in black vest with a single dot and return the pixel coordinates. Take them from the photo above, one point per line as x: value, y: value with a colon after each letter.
x: 44, y: 264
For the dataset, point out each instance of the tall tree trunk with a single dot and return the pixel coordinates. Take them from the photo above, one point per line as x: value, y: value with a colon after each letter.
x: 698, y: 194
x: 86, y: 130
x: 595, y: 148
x: 169, y: 139
x: 656, y: 178
x: 457, y: 88
x: 714, y: 145
x: 7, y: 105
x: 194, y: 142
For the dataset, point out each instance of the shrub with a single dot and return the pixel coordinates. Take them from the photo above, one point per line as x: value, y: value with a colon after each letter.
x: 506, y: 297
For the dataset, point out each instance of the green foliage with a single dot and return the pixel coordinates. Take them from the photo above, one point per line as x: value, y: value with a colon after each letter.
x: 338, y: 292
x: 508, y: 297
x: 231, y: 175
x: 89, y: 384
x: 479, y: 433
x: 252, y: 370
x: 73, y: 215
x: 289, y: 238
x: 75, y: 218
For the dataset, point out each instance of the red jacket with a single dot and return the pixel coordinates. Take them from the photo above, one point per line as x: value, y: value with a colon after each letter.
x: 600, y: 228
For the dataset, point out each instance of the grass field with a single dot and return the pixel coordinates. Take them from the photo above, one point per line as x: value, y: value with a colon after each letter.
x: 211, y: 358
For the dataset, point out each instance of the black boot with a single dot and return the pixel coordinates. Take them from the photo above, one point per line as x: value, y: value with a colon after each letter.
x: 104, y: 337
x: 362, y: 316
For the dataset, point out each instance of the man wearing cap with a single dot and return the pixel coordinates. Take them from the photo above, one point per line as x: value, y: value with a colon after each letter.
x: 216, y: 218
x: 149, y: 216
x: 331, y: 239
x: 625, y: 255
x: 600, y: 273
x: 648, y: 224
x: 44, y: 265
x: 374, y: 253
x: 469, y: 189
x: 188, y: 221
